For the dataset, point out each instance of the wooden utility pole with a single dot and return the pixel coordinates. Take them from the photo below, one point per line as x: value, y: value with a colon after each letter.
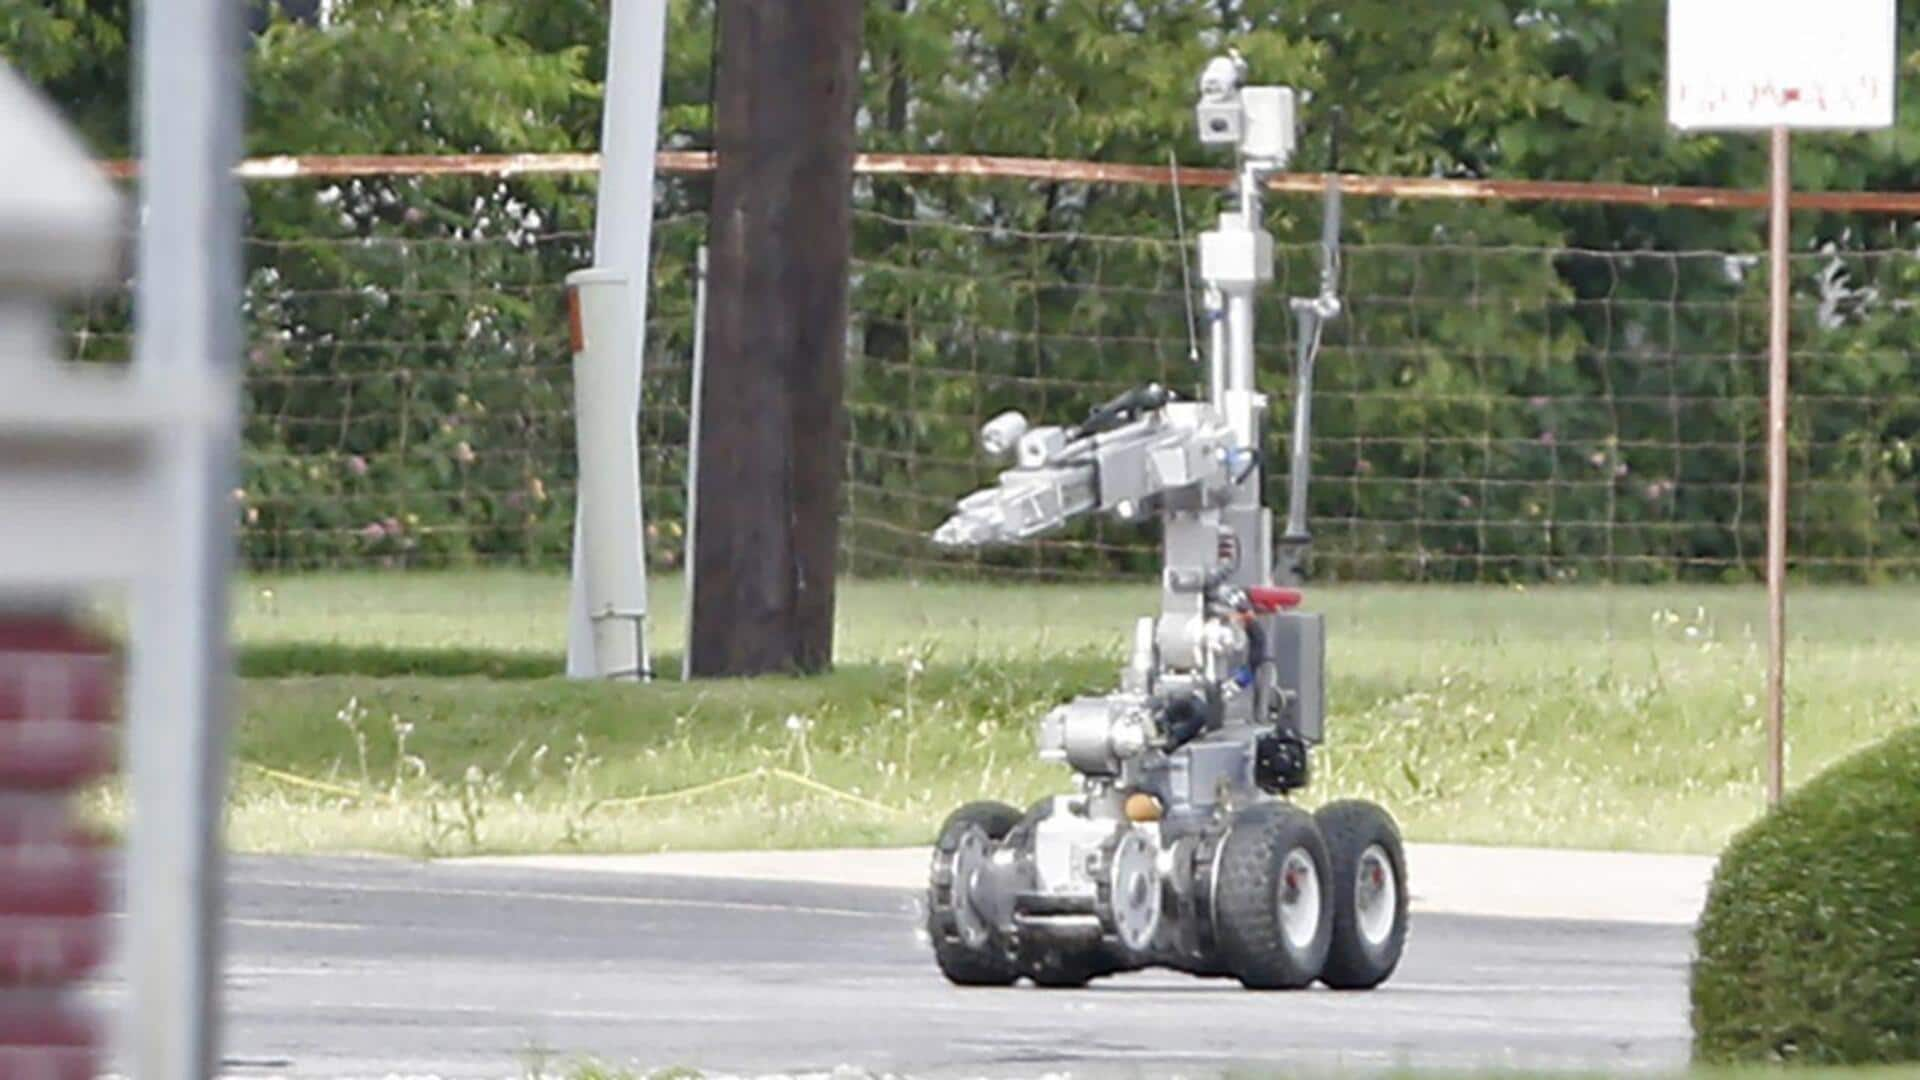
x: 772, y: 425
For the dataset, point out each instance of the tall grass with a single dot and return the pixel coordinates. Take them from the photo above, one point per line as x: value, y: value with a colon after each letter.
x: 1618, y: 717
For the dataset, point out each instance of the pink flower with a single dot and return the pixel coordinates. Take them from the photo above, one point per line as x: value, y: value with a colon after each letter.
x: 373, y: 530
x: 392, y: 525
x: 357, y: 465
x: 1537, y: 401
x: 1548, y: 438
x: 463, y: 453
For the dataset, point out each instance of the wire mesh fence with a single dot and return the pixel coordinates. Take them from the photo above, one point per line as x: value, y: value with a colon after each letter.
x: 1486, y: 412
x: 1494, y: 405
x: 407, y: 383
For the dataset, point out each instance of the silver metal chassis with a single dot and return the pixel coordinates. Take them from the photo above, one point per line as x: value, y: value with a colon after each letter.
x: 1226, y: 671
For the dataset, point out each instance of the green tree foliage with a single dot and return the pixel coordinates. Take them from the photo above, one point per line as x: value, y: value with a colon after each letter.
x: 76, y: 51
x: 405, y: 358
x: 1505, y: 399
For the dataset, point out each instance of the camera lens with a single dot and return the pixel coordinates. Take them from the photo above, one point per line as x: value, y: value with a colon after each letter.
x: 1219, y: 124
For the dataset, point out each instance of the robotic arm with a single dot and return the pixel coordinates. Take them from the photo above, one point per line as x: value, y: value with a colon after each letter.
x: 1130, y: 457
x: 1144, y: 453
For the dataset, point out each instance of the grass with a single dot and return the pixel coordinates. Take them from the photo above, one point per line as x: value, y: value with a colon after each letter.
x: 1579, y: 717
x: 442, y: 622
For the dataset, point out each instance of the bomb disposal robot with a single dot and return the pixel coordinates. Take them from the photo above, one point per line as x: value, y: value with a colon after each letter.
x: 1177, y: 851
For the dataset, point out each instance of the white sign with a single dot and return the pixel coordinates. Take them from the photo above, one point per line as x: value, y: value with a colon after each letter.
x: 1735, y: 64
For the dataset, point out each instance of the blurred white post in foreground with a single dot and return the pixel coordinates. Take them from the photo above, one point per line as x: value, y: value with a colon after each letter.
x: 622, y: 237
x: 72, y: 471
x: 186, y: 353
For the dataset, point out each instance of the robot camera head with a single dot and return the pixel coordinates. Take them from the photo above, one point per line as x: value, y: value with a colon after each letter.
x: 1221, y: 116
x: 1258, y: 121
x: 1222, y: 77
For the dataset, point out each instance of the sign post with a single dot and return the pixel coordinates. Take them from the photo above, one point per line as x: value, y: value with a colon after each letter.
x: 1779, y: 305
x: 1777, y: 65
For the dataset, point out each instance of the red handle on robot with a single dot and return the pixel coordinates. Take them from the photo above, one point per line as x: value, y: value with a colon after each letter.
x: 1267, y: 599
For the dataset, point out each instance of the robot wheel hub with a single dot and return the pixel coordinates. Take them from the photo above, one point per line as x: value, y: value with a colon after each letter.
x: 1299, y: 899
x: 1133, y: 890
x: 1375, y: 889
x: 969, y: 858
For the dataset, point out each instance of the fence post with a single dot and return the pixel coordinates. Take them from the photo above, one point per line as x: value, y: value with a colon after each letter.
x: 1780, y: 299
x: 692, y: 537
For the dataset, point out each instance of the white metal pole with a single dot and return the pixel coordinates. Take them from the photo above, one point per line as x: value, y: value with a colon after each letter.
x: 1240, y: 295
x: 1780, y: 187
x: 693, y: 451
x: 622, y: 237
x: 601, y: 311
x: 187, y: 345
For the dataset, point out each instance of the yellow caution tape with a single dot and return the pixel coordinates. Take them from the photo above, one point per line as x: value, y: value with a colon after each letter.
x: 832, y: 792
x: 649, y: 799
x: 684, y: 793
x: 322, y: 786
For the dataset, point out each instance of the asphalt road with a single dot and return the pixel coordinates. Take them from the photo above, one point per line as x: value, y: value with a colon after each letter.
x: 372, y: 968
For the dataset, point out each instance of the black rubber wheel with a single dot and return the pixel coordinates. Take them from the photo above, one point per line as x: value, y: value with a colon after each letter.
x: 1063, y: 971
x: 1369, y: 894
x: 1066, y: 967
x: 962, y: 962
x: 1272, y: 910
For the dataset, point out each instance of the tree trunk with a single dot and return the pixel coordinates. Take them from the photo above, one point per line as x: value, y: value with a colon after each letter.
x: 772, y: 423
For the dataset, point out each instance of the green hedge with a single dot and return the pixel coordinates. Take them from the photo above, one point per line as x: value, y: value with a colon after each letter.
x: 1809, y: 948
